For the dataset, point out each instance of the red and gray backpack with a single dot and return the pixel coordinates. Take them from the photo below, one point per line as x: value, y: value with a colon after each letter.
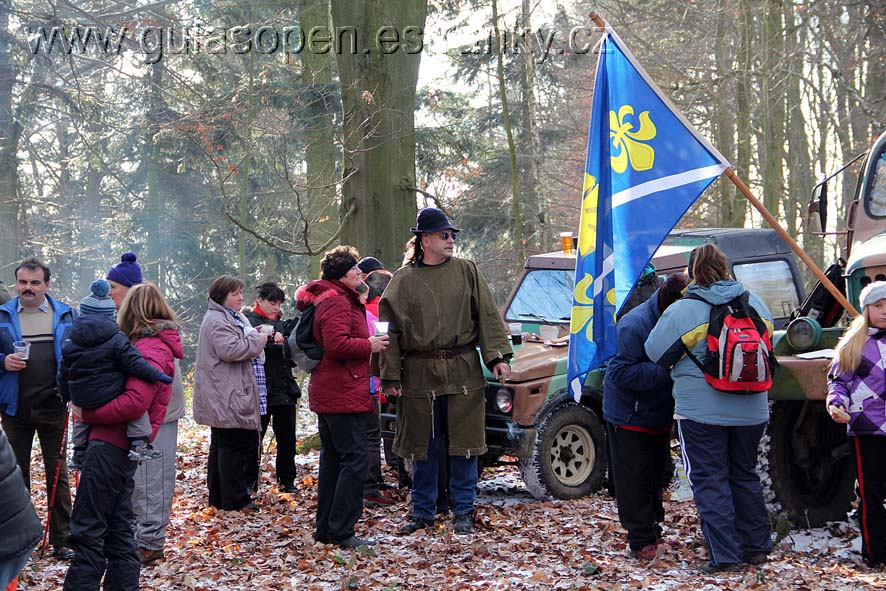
x: 739, y: 357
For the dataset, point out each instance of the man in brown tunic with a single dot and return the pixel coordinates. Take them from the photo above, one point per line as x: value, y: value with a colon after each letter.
x: 440, y: 310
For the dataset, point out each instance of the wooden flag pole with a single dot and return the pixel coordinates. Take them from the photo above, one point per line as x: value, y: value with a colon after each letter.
x: 790, y: 241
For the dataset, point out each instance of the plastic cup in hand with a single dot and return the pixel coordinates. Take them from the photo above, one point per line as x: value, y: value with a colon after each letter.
x: 22, y: 349
x: 516, y: 329
x: 381, y: 328
x: 266, y: 328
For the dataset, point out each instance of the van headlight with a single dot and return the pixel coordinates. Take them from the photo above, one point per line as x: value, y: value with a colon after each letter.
x: 803, y: 333
x: 504, y: 401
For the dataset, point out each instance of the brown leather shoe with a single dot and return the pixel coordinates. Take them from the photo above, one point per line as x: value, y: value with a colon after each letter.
x: 146, y: 556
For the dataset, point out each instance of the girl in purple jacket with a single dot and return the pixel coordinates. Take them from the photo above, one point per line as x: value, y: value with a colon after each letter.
x: 857, y: 396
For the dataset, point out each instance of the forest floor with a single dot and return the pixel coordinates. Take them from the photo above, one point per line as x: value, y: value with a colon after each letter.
x: 521, y: 544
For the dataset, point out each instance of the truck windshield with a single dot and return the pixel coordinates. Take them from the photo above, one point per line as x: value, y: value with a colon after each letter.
x: 772, y: 282
x: 543, y: 295
x: 877, y: 196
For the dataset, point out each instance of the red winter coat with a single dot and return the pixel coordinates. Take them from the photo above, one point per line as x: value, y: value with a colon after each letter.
x: 340, y: 383
x: 109, y: 421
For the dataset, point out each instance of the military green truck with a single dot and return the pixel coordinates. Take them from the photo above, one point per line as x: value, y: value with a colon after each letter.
x: 560, y: 444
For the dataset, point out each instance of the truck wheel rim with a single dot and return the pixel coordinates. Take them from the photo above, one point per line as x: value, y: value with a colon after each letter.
x: 572, y: 455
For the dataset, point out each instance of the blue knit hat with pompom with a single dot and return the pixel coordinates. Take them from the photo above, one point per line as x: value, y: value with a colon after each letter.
x: 127, y: 272
x: 98, y: 301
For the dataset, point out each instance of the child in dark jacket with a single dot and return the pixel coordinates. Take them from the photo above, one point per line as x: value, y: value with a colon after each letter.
x: 97, y: 359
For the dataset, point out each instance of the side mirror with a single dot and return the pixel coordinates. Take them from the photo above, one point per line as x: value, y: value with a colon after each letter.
x: 813, y: 219
x: 819, y: 203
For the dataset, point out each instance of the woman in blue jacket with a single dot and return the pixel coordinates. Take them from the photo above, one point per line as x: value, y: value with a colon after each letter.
x: 719, y: 432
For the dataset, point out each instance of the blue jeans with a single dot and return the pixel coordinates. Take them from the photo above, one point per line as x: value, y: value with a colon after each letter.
x: 462, y: 472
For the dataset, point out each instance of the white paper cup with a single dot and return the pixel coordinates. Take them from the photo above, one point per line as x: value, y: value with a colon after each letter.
x: 381, y: 328
x: 22, y: 348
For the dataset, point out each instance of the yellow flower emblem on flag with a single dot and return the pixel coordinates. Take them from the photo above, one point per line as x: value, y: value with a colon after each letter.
x: 627, y: 141
x: 587, y: 233
x: 583, y: 310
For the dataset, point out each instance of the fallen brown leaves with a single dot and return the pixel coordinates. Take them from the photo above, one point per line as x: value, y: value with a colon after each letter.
x: 521, y: 544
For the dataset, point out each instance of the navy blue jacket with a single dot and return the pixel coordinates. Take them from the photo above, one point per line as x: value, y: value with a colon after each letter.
x: 10, y: 331
x: 96, y: 361
x: 636, y: 391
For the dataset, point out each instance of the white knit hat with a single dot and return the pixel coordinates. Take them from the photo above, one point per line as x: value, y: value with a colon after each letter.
x: 873, y: 293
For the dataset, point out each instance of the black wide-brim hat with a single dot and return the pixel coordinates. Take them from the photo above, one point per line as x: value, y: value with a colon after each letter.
x: 430, y: 220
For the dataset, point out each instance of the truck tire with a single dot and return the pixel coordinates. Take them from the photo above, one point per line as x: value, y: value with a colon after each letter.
x: 568, y: 458
x: 812, y: 472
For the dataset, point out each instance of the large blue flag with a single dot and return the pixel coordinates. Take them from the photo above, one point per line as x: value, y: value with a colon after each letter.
x: 645, y: 166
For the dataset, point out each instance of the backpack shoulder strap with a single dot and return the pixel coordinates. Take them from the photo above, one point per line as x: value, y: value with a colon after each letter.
x: 695, y: 360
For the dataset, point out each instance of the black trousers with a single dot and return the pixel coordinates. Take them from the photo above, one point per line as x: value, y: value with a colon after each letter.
x: 49, y: 425
x: 233, y: 454
x: 101, y: 525
x: 282, y: 419
x: 870, y: 451
x: 641, y: 468
x: 343, y: 468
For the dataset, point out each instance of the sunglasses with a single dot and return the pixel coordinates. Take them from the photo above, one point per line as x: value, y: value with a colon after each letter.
x: 447, y: 236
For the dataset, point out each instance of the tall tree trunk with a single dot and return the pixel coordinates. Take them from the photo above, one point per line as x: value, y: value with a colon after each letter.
x: 733, y: 208
x: 319, y: 134
x: 10, y: 237
x: 534, y: 198
x: 799, y: 156
x: 773, y: 108
x: 378, y: 98
x: 153, y: 193
x: 743, y: 102
x: 519, y: 245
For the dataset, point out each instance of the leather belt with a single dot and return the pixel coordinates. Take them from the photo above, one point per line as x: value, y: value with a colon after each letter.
x: 442, y: 353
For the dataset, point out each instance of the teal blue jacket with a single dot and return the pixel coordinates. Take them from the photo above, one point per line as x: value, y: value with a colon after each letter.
x: 685, y: 323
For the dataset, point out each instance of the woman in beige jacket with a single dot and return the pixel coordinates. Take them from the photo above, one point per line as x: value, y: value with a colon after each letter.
x: 226, y: 394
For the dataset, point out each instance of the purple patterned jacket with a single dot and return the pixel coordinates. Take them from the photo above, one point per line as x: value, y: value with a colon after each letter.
x: 863, y: 392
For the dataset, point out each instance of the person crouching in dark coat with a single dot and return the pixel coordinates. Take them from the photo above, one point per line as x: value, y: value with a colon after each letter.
x: 339, y: 393
x: 638, y: 407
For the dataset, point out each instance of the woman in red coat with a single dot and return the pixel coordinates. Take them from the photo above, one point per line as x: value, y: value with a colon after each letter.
x: 101, y: 522
x: 339, y: 393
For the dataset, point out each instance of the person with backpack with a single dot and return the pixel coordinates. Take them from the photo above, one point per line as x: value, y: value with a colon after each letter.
x: 339, y: 393
x: 857, y: 398
x: 283, y: 391
x: 721, y: 404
